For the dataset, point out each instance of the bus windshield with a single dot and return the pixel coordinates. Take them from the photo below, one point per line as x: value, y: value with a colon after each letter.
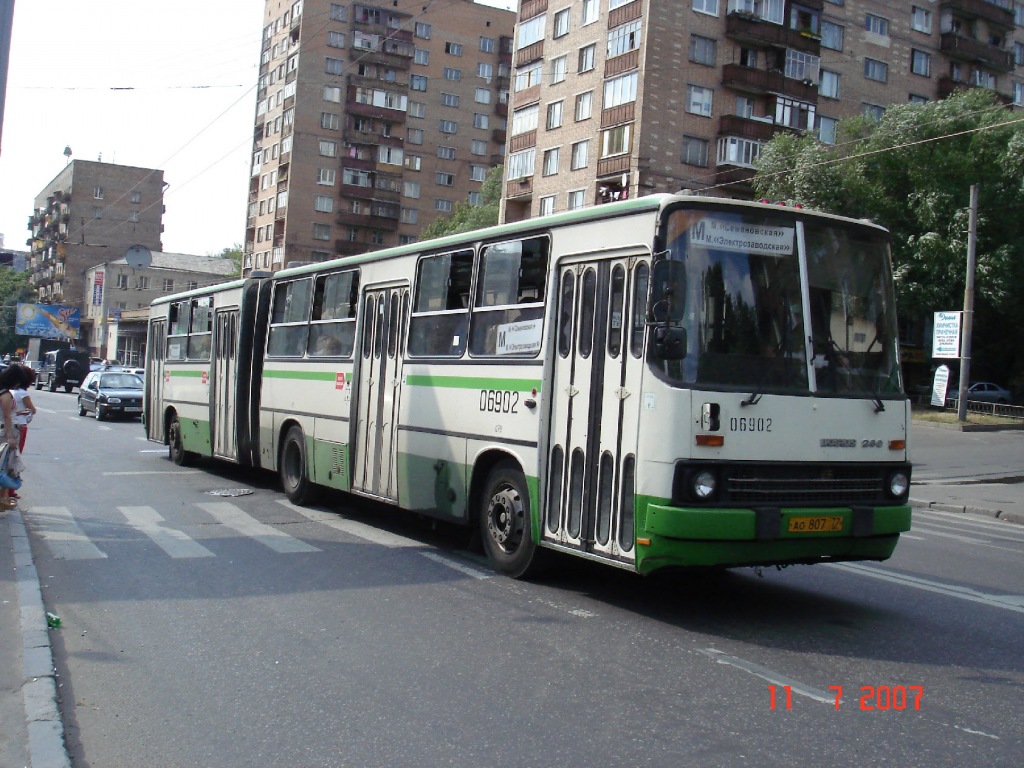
x: 742, y: 302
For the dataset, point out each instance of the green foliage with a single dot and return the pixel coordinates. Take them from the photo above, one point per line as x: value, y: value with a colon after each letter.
x: 466, y: 217
x: 235, y: 254
x: 14, y: 287
x: 912, y: 172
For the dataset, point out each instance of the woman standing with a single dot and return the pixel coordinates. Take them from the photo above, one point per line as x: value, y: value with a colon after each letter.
x: 11, y: 378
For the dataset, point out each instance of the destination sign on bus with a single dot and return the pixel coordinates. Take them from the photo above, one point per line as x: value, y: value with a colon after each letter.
x: 761, y: 239
x: 519, y: 338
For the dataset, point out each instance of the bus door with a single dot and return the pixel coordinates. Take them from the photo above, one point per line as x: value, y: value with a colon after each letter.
x: 156, y: 346
x: 378, y: 388
x: 225, y: 372
x: 595, y: 405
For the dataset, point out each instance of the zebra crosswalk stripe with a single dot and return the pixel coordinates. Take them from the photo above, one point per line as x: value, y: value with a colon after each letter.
x: 233, y: 517
x: 62, y: 535
x: 175, y: 543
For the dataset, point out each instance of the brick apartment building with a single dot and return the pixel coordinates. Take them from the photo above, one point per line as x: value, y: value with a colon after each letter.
x: 91, y: 213
x: 371, y: 121
x: 618, y: 98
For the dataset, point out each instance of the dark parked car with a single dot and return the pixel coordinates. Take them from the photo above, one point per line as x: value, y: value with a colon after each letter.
x: 110, y: 393
x: 63, y: 368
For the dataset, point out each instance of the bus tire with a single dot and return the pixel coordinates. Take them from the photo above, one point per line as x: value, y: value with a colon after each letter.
x: 505, y: 527
x: 176, y: 450
x: 293, y: 468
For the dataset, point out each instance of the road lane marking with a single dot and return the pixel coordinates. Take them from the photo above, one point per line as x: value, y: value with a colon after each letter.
x: 777, y: 678
x: 233, y: 517
x: 958, y: 537
x: 961, y: 520
x: 352, y: 527
x: 154, y: 472
x: 1013, y: 603
x: 62, y: 535
x: 469, y: 571
x: 175, y: 543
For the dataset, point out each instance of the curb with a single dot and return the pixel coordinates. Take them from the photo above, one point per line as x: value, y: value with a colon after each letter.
x: 47, y: 748
x: 1009, y: 516
x: 967, y: 427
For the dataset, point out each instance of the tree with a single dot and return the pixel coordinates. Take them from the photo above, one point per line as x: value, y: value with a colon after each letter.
x: 911, y: 172
x: 235, y: 254
x: 14, y: 287
x: 466, y: 217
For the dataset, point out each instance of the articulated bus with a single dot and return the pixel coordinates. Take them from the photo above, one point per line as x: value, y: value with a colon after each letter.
x: 663, y: 381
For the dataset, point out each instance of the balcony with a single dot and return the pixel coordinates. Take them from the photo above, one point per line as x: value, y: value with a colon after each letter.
x: 747, y: 128
x: 619, y: 64
x: 349, y: 248
x: 968, y: 49
x: 350, y: 219
x: 624, y: 13
x: 530, y: 54
x: 523, y: 141
x: 530, y: 8
x: 948, y: 85
x: 613, y: 165
x: 519, y: 187
x: 753, y: 31
x: 979, y: 9
x: 383, y: 58
x: 761, y: 81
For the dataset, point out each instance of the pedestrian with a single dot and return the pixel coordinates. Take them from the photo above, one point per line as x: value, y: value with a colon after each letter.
x: 11, y: 378
x: 24, y: 410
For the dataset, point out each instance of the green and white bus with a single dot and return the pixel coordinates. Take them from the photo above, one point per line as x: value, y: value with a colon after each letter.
x: 664, y: 381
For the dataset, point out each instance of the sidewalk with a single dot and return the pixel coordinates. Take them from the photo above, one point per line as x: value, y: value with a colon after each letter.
x: 33, y: 733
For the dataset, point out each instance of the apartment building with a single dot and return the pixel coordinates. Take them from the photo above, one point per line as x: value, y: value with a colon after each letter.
x: 618, y: 98
x: 90, y: 213
x: 371, y: 121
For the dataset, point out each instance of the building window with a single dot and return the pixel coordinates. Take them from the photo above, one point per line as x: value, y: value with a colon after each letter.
x: 615, y: 141
x: 872, y: 111
x: 482, y: 96
x: 410, y: 216
x: 332, y: 93
x: 326, y: 176
x: 414, y: 135
x: 547, y: 206
x: 1018, y: 54
x: 330, y: 121
x: 876, y: 70
x: 485, y: 70
x: 580, y: 154
x: 709, y: 7
x: 736, y: 151
x: 446, y: 153
x: 921, y: 19
x: 529, y: 76
x: 122, y: 281
x: 586, y: 59
x: 827, y: 129
x: 624, y: 39
x: 417, y: 109
x: 590, y: 11
x: 575, y: 200
x: 559, y: 68
x: 338, y: 12
x: 531, y: 32
x: 584, y: 106
x: 802, y: 66
x: 921, y: 63
x: 418, y: 82
x: 328, y: 148
x: 481, y: 121
x: 411, y: 189
x: 334, y: 66
x: 447, y: 126
x: 551, y: 161
x: 1018, y: 93
x: 520, y: 164
x: 97, y: 193
x: 877, y: 25
x: 413, y: 162
x: 831, y: 36
x: 444, y: 206
x: 487, y: 44
x: 321, y: 231
x: 449, y: 99
x: 829, y: 86
x: 554, y: 119
x: 698, y: 100
x: 525, y: 119
x: 323, y: 203
x: 620, y: 90
x: 133, y: 216
x: 336, y: 39
x: 444, y: 179
x: 136, y: 197
x: 702, y: 50
x: 168, y: 285
x: 451, y: 73
x: 477, y: 172
x: 561, y: 24
x: 422, y: 30
x: 478, y: 147
x: 695, y: 151
x: 454, y: 49
x: 421, y: 56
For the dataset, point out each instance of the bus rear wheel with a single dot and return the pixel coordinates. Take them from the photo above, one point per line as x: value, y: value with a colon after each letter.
x: 505, y: 523
x: 177, y: 451
x: 293, y: 468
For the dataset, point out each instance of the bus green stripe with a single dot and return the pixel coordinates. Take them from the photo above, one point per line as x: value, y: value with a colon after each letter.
x: 473, y: 382
x: 305, y: 375
x: 186, y: 374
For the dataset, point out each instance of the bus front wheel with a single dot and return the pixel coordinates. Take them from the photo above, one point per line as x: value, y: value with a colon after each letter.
x: 177, y: 451
x: 505, y: 523
x: 293, y: 468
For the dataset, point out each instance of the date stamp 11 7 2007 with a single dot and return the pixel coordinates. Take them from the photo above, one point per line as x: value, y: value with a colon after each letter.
x: 872, y: 697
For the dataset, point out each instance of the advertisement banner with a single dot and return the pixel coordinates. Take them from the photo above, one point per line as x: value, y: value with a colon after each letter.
x: 47, y: 321
x: 946, y: 334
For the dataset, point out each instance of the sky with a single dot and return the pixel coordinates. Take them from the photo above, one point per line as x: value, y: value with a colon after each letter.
x: 167, y: 85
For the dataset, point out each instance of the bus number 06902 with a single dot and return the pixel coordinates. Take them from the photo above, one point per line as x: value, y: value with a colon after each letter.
x: 499, y: 401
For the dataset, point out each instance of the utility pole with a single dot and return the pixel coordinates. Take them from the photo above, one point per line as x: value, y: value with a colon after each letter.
x: 965, y: 340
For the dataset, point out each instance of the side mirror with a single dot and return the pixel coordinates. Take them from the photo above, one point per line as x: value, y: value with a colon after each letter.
x: 670, y: 342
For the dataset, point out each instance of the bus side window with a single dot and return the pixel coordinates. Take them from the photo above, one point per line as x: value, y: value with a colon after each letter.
x: 289, y: 318
x: 440, y: 316
x: 333, y: 329
x: 509, y: 309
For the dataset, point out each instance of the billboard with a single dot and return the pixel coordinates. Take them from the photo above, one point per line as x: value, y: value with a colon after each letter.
x: 48, y: 321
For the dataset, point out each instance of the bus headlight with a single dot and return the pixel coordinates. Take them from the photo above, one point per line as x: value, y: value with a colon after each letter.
x: 899, y: 483
x: 703, y: 485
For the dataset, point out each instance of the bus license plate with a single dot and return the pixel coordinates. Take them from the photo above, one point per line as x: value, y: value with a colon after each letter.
x: 823, y: 524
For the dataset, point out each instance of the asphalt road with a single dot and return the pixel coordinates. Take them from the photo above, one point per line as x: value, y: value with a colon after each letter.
x: 209, y: 630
